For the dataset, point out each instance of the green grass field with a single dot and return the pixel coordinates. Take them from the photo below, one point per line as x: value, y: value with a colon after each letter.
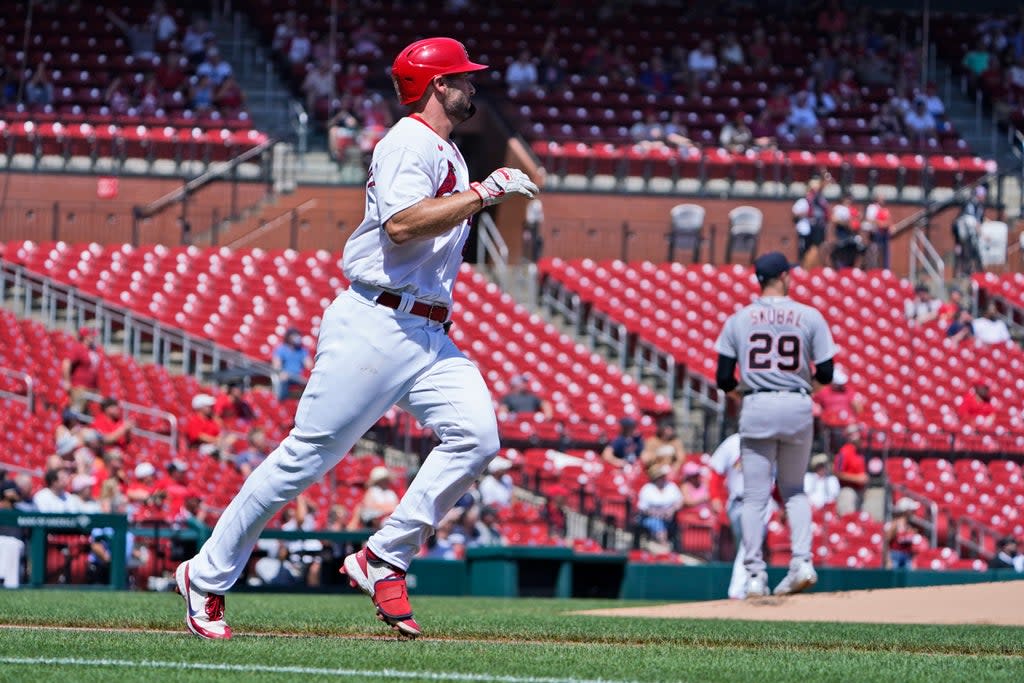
x: 99, y: 636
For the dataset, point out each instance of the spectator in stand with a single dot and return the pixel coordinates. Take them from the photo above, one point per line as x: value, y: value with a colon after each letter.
x: 149, y: 96
x: 285, y: 31
x: 229, y: 97
x: 876, y: 224
x: 933, y: 103
x: 378, y: 502
x: 1007, y: 556
x: 170, y: 74
x: 342, y: 129
x: 549, y: 69
x: 365, y: 42
x: 990, y: 328
x: 976, y: 60
x: 487, y: 530
x: 1016, y: 80
x: 702, y: 63
x: 214, y: 67
x: 976, y: 408
x: 737, y: 137
x: 760, y: 51
x: 352, y: 83
x: 731, y: 52
x: 143, y: 489
x: 299, y: 48
x: 553, y: 511
x: 318, y: 84
x: 111, y: 424
x: 496, y: 486
x: 965, y: 233
x: 118, y: 96
x: 819, y: 99
x: 231, y: 405
x: 655, y: 76
x: 39, y: 89
x: 521, y: 74
x: 657, y: 504
x: 950, y: 309
x: 202, y: 94
x: 801, y: 121
x: 624, y: 449
x: 923, y: 308
x: 919, y: 122
x: 292, y: 362
x: 203, y: 431
x: 198, y: 37
x: 810, y: 213
x: 845, y: 89
x: 54, y: 496
x: 175, y: 483
x: 664, y: 447
x: 961, y: 327
x: 448, y: 541
x: 141, y: 37
x: 292, y: 563
x: 12, y: 547
x: 820, y: 486
x: 887, y: 124
x: 835, y: 405
x: 256, y: 450
x: 900, y: 535
x: 849, y: 467
x: 832, y: 18
x: 163, y: 23
x: 696, y: 492
x: 81, y: 370
x: 520, y: 399
x: 849, y: 246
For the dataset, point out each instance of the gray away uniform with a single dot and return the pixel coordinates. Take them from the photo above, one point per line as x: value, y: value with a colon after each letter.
x: 775, y: 341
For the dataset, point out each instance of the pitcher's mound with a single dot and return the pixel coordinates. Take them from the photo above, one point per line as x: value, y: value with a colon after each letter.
x: 979, y: 603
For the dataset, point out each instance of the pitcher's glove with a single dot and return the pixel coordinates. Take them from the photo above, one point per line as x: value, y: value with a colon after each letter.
x: 502, y: 184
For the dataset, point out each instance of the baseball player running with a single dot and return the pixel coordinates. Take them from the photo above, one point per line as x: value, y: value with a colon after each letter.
x: 382, y: 342
x: 775, y: 341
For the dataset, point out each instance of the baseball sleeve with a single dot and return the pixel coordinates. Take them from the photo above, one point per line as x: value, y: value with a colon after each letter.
x: 726, y: 343
x: 401, y: 178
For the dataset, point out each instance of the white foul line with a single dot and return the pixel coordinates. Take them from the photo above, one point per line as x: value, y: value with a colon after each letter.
x: 316, y: 671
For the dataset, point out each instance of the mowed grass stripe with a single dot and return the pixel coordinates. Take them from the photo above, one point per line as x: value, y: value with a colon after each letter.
x: 428, y: 661
x: 386, y: 674
x: 390, y: 636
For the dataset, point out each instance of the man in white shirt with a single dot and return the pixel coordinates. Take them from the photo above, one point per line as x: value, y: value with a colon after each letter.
x: 821, y: 487
x: 991, y: 329
x: 496, y: 487
x: 383, y: 342
x: 658, y: 502
x: 521, y: 73
x: 923, y: 308
x: 919, y: 121
x: 55, y: 497
x: 702, y: 61
x: 802, y: 120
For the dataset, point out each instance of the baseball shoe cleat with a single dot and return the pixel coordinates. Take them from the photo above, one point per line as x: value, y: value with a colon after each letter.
x: 386, y: 586
x: 798, y: 579
x: 204, y: 612
x: 757, y: 586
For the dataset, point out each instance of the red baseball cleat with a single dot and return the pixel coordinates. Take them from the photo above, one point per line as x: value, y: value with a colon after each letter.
x: 386, y: 586
x: 209, y: 621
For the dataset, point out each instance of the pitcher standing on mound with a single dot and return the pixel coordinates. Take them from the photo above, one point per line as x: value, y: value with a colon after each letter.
x: 775, y: 341
x: 383, y: 342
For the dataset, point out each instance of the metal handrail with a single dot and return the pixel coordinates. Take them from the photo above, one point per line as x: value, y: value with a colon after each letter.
x: 28, y: 398
x: 974, y: 542
x: 42, y: 295
x: 214, y: 173
x: 491, y: 243
x: 935, y: 207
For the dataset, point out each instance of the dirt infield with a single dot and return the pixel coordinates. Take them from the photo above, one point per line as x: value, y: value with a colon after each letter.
x: 980, y: 603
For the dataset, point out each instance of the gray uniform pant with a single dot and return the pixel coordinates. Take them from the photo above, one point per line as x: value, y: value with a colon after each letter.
x: 776, y: 430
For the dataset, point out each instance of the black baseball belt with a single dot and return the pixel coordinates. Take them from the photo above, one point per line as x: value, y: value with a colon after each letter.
x: 777, y: 391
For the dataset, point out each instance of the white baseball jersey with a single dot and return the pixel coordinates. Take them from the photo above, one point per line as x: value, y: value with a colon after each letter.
x: 775, y: 340
x: 410, y: 164
x: 726, y: 462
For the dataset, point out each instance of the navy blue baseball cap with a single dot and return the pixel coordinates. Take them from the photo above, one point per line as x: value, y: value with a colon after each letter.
x: 770, y: 266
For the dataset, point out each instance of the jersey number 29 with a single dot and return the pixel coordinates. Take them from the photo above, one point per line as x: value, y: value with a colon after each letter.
x: 768, y: 352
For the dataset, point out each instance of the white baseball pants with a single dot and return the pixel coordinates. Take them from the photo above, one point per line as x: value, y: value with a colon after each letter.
x: 368, y: 358
x: 11, y: 550
x: 775, y: 441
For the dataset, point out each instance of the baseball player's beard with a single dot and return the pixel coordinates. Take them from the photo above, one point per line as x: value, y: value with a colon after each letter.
x: 459, y: 108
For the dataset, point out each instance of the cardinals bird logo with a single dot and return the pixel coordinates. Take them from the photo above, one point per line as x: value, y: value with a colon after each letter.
x: 448, y: 184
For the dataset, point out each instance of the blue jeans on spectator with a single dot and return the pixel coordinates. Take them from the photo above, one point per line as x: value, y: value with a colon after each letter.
x: 899, y: 559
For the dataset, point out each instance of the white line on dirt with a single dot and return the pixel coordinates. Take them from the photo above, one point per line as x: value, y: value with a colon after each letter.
x: 383, y: 674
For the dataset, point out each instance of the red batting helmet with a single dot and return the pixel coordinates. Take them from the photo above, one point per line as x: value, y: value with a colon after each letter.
x: 418, y: 63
